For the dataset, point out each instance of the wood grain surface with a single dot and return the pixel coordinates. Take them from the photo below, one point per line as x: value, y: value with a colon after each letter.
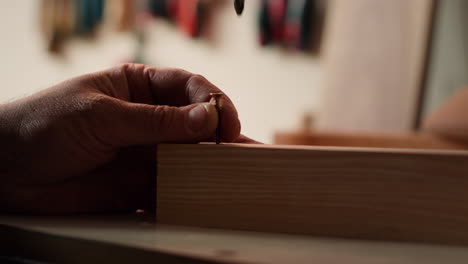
x: 364, y: 193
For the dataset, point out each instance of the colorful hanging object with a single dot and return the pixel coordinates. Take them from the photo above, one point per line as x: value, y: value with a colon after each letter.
x: 89, y: 14
x: 62, y: 19
x: 120, y: 14
x: 298, y: 20
x: 293, y: 24
x: 264, y: 24
x: 57, y: 22
x: 277, y: 13
x: 163, y: 8
x: 271, y: 21
x: 189, y: 16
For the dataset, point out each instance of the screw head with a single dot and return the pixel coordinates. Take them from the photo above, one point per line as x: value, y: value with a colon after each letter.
x: 216, y: 97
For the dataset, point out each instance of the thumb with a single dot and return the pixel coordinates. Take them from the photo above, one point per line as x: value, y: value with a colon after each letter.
x: 138, y: 124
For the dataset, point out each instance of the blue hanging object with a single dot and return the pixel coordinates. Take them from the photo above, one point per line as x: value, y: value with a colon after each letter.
x: 297, y: 31
x: 264, y: 24
x: 80, y: 16
x: 89, y: 14
x: 97, y: 10
x: 160, y: 8
x: 293, y: 24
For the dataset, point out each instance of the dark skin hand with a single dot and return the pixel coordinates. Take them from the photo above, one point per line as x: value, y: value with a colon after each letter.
x: 88, y: 144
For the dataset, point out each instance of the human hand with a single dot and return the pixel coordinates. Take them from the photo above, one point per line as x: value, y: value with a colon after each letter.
x: 449, y: 120
x: 87, y: 144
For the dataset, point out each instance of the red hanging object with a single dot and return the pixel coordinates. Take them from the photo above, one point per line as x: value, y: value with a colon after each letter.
x: 187, y: 16
x: 277, y: 14
x: 172, y: 8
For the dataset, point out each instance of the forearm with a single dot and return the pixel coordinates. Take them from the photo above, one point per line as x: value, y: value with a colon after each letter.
x: 9, y: 151
x: 8, y: 136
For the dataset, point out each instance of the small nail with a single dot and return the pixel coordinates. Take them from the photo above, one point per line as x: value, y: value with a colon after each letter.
x: 216, y: 97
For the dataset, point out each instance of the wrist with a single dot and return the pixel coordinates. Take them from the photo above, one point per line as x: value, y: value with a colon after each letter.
x: 10, y: 122
x: 9, y: 140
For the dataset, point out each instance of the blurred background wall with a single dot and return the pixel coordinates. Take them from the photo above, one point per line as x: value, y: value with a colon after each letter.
x: 271, y: 88
x: 448, y: 67
x: 382, y: 64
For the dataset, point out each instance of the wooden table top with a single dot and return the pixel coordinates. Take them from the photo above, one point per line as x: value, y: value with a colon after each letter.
x: 78, y: 239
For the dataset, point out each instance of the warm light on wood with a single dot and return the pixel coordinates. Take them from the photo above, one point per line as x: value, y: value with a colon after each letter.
x: 417, y: 140
x: 366, y: 193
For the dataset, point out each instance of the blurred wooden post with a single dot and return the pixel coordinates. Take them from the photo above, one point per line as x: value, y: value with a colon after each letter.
x: 375, y: 57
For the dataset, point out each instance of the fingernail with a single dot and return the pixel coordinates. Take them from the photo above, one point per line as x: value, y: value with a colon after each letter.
x: 202, y: 119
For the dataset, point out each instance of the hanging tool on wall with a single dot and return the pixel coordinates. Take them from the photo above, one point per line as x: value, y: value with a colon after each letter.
x: 57, y: 22
x: 164, y: 8
x: 303, y: 24
x: 291, y: 23
x: 120, y: 14
x: 271, y: 21
x: 62, y: 19
x: 239, y: 6
x: 297, y: 24
x: 188, y: 16
x: 89, y: 14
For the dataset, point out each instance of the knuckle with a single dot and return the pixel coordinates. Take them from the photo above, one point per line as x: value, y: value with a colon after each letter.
x: 126, y: 65
x: 162, y: 117
x: 199, y: 88
x: 129, y: 67
x: 122, y: 68
x: 94, y: 103
x: 180, y: 72
x: 95, y: 109
x: 197, y: 78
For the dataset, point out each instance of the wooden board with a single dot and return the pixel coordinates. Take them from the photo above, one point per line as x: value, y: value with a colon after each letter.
x: 384, y: 194
x: 136, y: 239
x: 370, y: 140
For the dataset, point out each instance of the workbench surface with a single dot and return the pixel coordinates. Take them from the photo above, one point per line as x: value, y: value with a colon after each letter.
x: 120, y: 239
